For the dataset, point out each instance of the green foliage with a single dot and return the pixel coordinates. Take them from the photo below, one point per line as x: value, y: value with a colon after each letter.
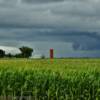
x: 9, y: 55
x: 42, y: 56
x: 26, y: 52
x: 56, y: 79
x: 2, y: 53
x: 19, y: 56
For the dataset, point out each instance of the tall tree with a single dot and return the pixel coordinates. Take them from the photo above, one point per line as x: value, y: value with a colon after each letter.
x: 2, y: 53
x: 26, y: 52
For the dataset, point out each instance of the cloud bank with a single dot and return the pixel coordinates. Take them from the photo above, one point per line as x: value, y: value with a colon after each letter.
x: 73, y: 25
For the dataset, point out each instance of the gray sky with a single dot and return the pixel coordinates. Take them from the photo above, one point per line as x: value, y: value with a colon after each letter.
x: 71, y: 27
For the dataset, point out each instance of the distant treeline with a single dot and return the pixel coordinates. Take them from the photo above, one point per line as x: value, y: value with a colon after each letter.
x: 26, y: 52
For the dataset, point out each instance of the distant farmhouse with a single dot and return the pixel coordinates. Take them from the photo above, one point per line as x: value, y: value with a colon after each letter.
x: 22, y: 52
x: 10, y: 50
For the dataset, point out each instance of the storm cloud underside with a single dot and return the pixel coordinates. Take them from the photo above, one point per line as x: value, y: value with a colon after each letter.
x: 71, y: 27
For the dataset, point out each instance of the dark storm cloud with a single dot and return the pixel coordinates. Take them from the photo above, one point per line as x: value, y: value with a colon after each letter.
x: 80, y: 40
x: 65, y: 14
x: 70, y: 24
x: 74, y: 14
x: 40, y: 1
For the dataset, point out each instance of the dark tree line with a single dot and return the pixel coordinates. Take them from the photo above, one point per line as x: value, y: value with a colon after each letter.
x: 26, y: 52
x: 2, y: 53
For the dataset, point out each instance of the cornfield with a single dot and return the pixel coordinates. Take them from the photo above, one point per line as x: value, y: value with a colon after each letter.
x: 56, y: 79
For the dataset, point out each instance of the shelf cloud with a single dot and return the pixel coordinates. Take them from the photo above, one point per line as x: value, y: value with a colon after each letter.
x: 73, y: 25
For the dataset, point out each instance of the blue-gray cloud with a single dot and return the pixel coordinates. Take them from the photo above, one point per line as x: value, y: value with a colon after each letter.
x: 70, y: 24
x: 80, y: 40
x: 65, y: 14
x: 40, y: 1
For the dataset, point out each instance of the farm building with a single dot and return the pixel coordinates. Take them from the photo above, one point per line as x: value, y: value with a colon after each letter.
x: 11, y: 50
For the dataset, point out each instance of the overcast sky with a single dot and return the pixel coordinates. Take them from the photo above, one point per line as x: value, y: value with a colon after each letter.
x: 71, y: 27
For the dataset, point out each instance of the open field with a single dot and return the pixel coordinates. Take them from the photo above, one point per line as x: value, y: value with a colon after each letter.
x: 57, y: 79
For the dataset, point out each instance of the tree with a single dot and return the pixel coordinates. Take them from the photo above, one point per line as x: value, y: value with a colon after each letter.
x: 18, y: 56
x: 26, y: 52
x: 42, y: 56
x: 2, y: 53
x: 9, y: 55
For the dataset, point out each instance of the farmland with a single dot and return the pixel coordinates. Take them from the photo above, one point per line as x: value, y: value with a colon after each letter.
x: 45, y: 79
